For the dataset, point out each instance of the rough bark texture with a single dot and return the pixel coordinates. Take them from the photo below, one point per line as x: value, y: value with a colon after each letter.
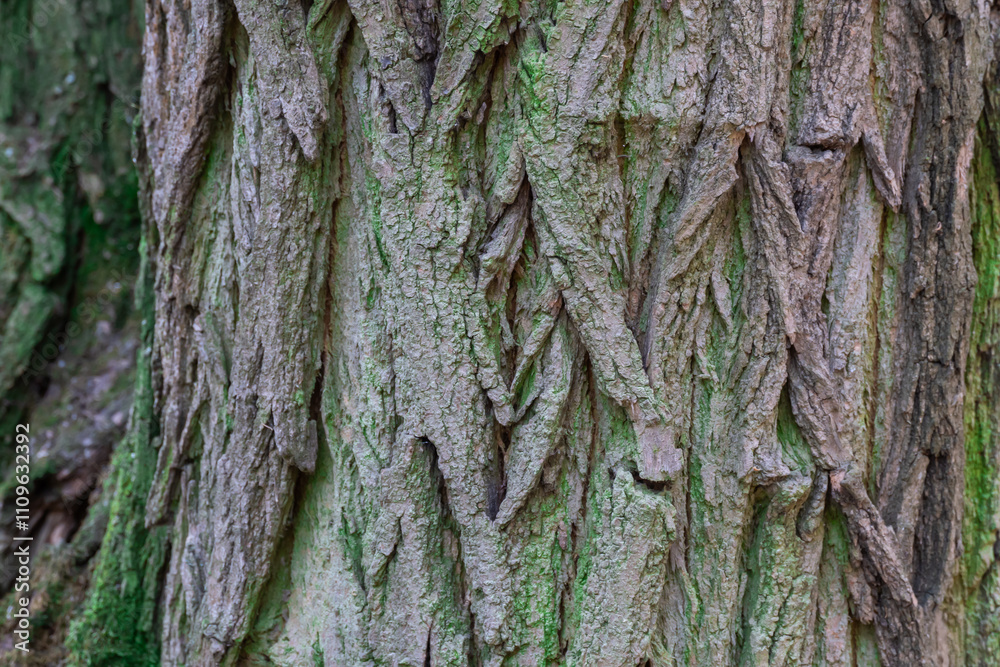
x: 647, y: 332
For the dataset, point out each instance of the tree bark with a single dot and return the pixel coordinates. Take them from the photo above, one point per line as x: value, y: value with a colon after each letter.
x: 612, y: 334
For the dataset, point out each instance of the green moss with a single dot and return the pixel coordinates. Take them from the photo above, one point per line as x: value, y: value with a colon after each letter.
x: 800, y: 72
x: 793, y: 443
x: 736, y: 262
x: 981, y: 525
x: 118, y: 624
x: 374, y: 188
x: 982, y: 420
x: 893, y: 251
x: 25, y: 328
x: 317, y: 655
x: 538, y: 616
x: 68, y: 209
x: 883, y: 108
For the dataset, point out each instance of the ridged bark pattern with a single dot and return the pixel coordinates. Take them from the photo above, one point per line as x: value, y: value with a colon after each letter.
x: 585, y: 333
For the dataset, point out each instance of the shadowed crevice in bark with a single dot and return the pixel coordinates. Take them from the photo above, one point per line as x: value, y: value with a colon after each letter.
x: 934, y: 530
x: 421, y: 18
x: 651, y: 485
x: 496, y: 485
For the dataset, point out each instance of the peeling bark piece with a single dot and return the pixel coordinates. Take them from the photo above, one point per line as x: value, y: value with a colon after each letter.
x: 491, y: 334
x: 281, y: 240
x: 426, y: 52
x: 712, y: 176
x: 885, y: 178
x: 812, y: 388
x: 182, y: 79
x: 659, y: 460
x: 397, y: 61
x: 851, y: 293
x: 837, y: 90
x: 932, y: 342
x: 777, y: 224
x: 233, y: 556
x: 250, y: 408
x: 465, y: 37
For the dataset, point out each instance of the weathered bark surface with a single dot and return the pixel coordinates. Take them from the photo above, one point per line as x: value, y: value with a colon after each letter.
x: 585, y: 333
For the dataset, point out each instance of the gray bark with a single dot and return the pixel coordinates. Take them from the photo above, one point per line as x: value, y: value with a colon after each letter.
x: 612, y: 334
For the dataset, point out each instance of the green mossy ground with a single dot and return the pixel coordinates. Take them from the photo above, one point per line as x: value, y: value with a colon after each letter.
x: 69, y: 237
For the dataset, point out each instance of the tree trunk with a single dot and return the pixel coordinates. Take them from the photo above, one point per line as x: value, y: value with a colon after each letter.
x: 577, y: 333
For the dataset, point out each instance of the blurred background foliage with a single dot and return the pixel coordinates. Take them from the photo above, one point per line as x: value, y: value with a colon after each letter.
x: 70, y: 72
